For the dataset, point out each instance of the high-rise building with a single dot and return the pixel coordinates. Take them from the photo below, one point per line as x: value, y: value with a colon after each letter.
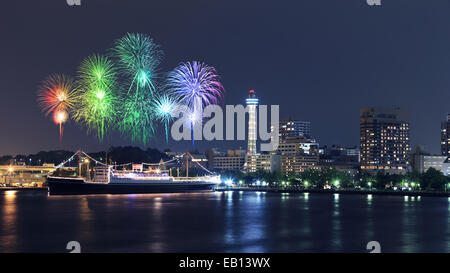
x: 293, y: 128
x: 445, y: 137
x: 252, y: 103
x: 384, y: 136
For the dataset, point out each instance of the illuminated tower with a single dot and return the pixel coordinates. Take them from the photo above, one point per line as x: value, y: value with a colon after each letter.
x: 252, y: 102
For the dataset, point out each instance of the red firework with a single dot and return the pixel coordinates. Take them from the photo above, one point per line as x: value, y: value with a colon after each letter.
x: 56, y: 96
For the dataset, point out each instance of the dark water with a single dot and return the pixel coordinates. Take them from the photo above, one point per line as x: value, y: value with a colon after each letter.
x: 223, y: 222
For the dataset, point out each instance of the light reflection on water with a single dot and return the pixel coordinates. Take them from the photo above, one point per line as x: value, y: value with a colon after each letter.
x: 223, y: 222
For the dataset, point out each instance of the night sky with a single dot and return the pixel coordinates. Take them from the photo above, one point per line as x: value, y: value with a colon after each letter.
x: 320, y: 60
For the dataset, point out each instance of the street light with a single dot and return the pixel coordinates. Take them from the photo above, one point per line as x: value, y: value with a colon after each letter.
x: 229, y: 182
x: 336, y: 183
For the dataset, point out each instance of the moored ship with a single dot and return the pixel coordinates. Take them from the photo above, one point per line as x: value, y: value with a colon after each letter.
x: 107, y: 180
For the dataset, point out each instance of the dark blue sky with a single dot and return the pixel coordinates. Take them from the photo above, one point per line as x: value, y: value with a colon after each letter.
x: 320, y: 60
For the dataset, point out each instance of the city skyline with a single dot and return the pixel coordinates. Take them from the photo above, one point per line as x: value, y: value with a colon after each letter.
x: 308, y: 74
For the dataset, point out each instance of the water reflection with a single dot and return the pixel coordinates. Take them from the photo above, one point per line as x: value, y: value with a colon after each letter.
x: 224, y: 222
x: 336, y: 225
x: 8, y: 223
x: 409, y: 226
x: 243, y: 224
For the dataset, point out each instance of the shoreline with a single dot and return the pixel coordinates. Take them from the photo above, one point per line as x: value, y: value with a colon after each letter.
x: 331, y: 191
x: 2, y: 189
x: 274, y: 190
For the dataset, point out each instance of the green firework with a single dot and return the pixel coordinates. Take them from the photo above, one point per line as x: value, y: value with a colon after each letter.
x: 138, y: 58
x: 97, y: 101
x: 137, y: 117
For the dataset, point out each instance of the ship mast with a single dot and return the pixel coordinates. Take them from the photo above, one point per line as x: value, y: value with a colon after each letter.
x: 187, y: 165
x: 79, y: 162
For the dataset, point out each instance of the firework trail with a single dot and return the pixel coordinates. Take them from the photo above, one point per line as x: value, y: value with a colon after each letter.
x: 97, y: 99
x: 164, y: 106
x: 138, y: 58
x: 197, y: 85
x: 56, y: 96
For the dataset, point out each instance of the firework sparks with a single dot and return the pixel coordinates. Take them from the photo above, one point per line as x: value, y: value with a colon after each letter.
x: 97, y: 99
x: 197, y: 85
x: 138, y: 58
x: 56, y: 96
x: 137, y: 118
x: 164, y: 107
x: 193, y: 81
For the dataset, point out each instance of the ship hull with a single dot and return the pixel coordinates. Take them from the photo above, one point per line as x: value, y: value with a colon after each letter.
x: 59, y: 186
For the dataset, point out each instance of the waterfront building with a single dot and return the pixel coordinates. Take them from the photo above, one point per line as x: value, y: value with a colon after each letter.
x: 298, y: 154
x: 438, y: 162
x: 24, y: 176
x: 345, y: 159
x: 445, y: 137
x: 384, y: 137
x: 269, y: 162
x: 421, y: 162
x: 416, y: 159
x: 232, y: 160
x: 337, y: 153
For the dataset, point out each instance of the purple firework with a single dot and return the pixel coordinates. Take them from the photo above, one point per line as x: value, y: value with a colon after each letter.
x: 193, y: 81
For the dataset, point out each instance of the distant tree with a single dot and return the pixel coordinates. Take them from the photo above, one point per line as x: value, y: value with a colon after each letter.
x: 433, y: 179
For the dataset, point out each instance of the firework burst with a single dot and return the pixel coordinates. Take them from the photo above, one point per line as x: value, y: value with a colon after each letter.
x: 138, y: 58
x: 164, y: 106
x: 56, y: 96
x: 97, y: 99
x: 57, y: 92
x: 195, y: 82
x: 197, y: 85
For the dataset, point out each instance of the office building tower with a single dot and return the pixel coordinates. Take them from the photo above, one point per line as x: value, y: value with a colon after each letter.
x: 293, y: 128
x: 384, y: 137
